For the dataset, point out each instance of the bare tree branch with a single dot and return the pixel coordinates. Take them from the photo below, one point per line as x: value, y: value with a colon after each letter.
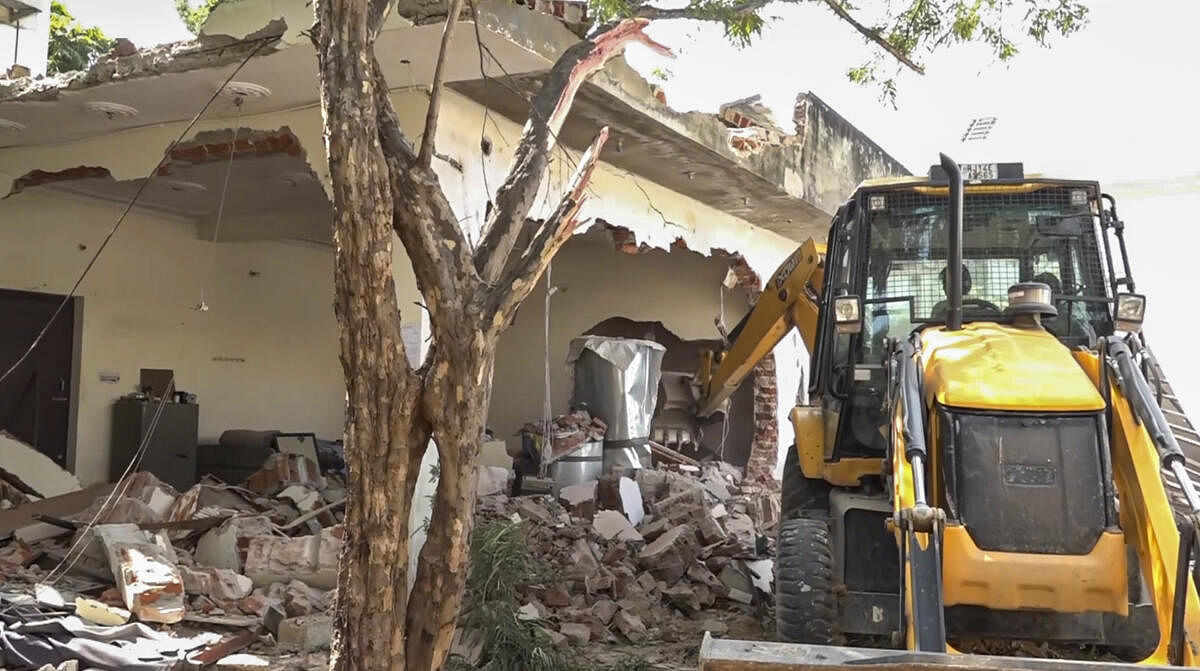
x: 377, y: 16
x: 554, y: 232
x: 425, y: 157
x: 874, y: 36
x: 699, y: 13
x: 515, y: 198
x: 423, y: 219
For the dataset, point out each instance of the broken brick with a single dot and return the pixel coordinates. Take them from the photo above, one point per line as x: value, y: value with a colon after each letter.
x: 144, y: 567
x: 576, y: 633
x: 610, y: 524
x: 220, y: 584
x: 682, y: 597
x: 556, y: 597
x: 630, y: 625
x: 311, y: 632
x: 282, y: 470
x: 604, y: 610
x: 669, y: 556
x: 311, y: 559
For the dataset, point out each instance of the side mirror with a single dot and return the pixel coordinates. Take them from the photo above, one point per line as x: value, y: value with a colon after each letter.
x: 847, y: 314
x: 1131, y: 310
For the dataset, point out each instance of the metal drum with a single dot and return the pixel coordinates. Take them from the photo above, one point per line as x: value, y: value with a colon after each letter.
x: 616, y: 379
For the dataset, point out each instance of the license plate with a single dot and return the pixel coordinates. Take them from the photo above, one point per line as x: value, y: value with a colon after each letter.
x: 978, y: 172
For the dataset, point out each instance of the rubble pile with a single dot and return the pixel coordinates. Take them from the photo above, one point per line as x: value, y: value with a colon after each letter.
x: 639, y: 557
x: 569, y: 431
x: 215, y: 557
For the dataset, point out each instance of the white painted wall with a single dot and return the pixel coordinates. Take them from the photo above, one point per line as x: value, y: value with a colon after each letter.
x: 138, y: 312
x: 657, y: 216
x: 595, y: 282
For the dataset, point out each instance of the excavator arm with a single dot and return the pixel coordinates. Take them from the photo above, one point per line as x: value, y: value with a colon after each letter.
x: 790, y: 299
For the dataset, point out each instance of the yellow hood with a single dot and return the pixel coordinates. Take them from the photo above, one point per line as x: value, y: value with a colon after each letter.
x: 988, y: 366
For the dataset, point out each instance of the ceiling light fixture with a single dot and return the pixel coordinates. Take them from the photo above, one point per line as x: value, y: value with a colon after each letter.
x: 245, y: 90
x: 110, y: 110
x: 184, y: 186
x: 295, y: 178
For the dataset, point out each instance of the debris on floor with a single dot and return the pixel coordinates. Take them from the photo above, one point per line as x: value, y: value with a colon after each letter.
x: 698, y: 558
x: 141, y: 577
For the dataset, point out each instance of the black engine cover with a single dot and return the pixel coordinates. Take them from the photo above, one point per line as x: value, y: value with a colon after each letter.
x: 1023, y: 482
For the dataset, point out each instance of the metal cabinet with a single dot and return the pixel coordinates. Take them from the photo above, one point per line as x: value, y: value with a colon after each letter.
x: 171, y: 449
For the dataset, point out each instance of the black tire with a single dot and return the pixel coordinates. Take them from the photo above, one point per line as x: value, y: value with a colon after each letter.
x: 805, y: 603
x: 801, y: 496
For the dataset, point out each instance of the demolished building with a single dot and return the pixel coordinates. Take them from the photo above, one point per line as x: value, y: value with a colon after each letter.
x: 222, y: 271
x: 219, y: 280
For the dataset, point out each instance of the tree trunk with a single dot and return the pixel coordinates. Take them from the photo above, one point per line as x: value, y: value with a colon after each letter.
x: 380, y: 186
x: 385, y: 431
x: 457, y: 393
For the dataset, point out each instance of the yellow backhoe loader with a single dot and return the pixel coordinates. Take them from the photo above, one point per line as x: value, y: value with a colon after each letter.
x: 984, y: 458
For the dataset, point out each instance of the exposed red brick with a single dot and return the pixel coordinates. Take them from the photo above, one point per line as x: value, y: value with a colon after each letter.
x: 217, y: 146
x: 41, y: 177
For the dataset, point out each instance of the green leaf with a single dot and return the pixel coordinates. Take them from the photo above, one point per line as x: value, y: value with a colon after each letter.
x: 194, y: 17
x: 73, y: 47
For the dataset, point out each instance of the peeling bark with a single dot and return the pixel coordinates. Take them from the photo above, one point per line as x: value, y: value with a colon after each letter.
x: 384, y: 424
x: 381, y: 186
x: 516, y: 196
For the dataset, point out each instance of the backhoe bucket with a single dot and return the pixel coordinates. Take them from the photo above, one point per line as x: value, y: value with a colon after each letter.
x: 732, y: 655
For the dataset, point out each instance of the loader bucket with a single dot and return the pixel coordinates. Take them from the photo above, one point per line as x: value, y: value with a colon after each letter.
x: 732, y: 655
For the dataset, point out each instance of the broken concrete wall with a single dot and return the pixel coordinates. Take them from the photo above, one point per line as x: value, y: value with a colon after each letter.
x: 835, y: 156
x: 297, y: 380
x: 680, y: 289
x: 243, y: 358
x: 34, y: 468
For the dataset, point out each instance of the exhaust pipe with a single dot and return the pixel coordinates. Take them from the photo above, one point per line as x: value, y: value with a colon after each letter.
x: 954, y: 252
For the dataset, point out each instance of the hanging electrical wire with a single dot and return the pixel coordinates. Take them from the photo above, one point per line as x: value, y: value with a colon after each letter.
x: 212, y: 262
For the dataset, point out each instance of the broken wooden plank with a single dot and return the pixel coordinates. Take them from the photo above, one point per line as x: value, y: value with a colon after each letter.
x: 195, y: 524
x: 58, y: 522
x: 58, y: 506
x: 667, y: 453
x: 312, y: 514
x: 223, y: 648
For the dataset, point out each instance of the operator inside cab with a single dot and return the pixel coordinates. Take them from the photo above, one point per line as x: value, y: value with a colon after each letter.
x: 973, y: 308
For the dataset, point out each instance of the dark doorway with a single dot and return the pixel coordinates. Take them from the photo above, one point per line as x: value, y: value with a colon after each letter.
x: 36, y: 399
x: 724, y: 436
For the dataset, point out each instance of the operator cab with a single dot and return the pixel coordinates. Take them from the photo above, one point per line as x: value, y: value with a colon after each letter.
x: 888, y: 245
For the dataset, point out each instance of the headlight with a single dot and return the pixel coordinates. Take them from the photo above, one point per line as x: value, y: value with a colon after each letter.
x: 847, y: 313
x: 1131, y: 310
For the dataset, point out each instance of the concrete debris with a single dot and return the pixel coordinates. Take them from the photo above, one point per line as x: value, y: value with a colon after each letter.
x: 312, y: 559
x: 569, y: 431
x: 100, y: 613
x: 630, y: 625
x: 311, y: 632
x: 226, y: 545
x: 217, y: 583
x: 528, y: 613
x: 631, y: 501
x: 739, y: 585
x: 669, y: 557
x: 215, y: 555
x: 283, y: 469
x: 575, y: 633
x: 491, y: 480
x: 35, y: 469
x: 610, y: 524
x: 610, y: 585
x: 242, y: 662
x: 144, y: 567
x: 304, y: 498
